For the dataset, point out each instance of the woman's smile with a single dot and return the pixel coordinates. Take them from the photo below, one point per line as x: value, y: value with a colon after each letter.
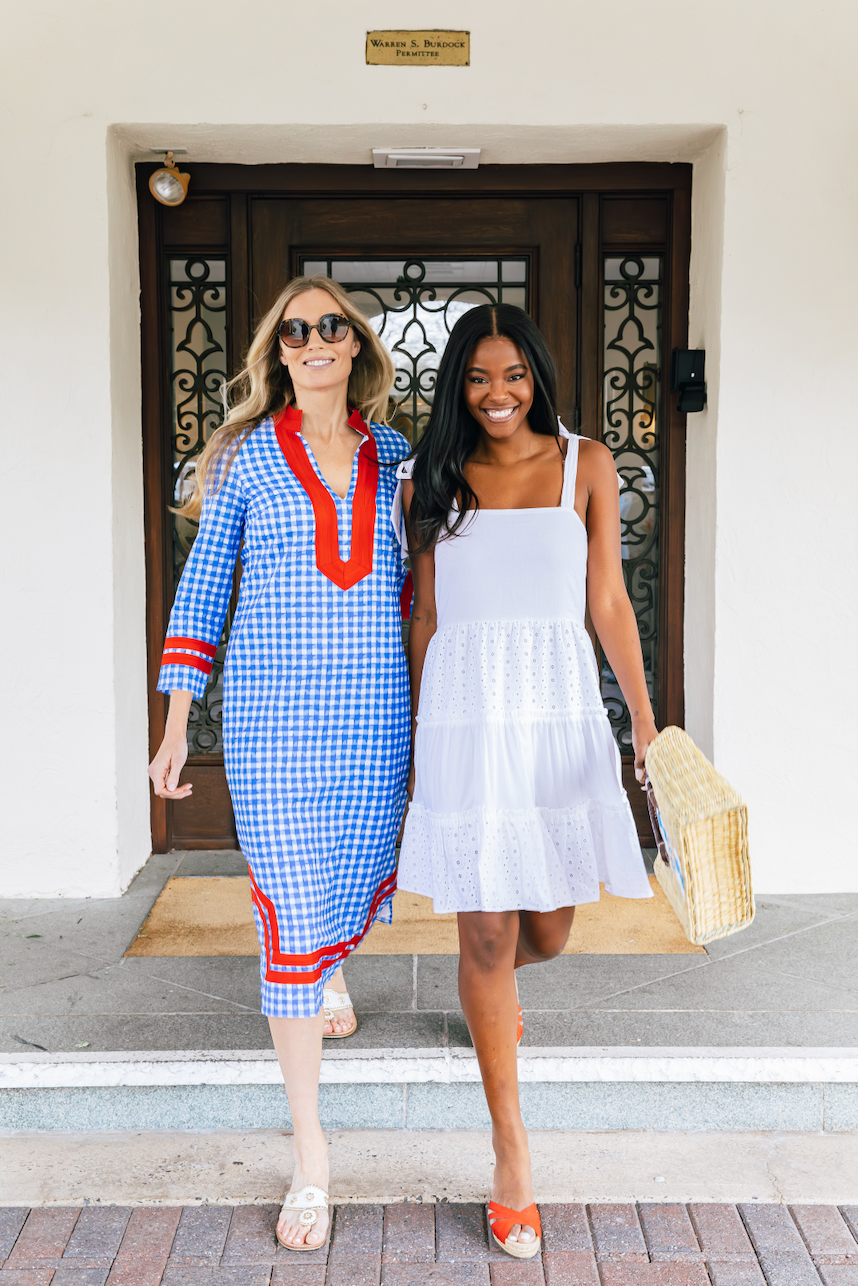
x: 500, y: 414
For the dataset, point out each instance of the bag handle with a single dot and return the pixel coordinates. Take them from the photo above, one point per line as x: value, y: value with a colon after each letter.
x: 652, y: 806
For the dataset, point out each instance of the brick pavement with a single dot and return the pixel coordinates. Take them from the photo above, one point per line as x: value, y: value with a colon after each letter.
x: 425, y: 1245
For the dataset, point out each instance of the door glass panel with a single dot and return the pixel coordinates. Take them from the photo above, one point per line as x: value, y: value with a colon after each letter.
x: 413, y: 304
x: 197, y: 338
x: 631, y: 419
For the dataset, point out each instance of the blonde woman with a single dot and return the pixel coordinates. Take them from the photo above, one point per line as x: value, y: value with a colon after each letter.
x: 316, y: 708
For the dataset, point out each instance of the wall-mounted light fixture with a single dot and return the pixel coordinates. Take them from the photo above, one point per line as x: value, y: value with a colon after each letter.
x: 167, y: 185
x: 426, y: 158
x: 687, y: 378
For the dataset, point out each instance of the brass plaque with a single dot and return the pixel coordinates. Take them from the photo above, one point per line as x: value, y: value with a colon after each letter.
x: 418, y: 48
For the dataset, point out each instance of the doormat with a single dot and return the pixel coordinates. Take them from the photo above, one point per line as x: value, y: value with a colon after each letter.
x: 213, y: 917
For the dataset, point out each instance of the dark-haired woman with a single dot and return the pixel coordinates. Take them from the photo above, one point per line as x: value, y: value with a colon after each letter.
x: 518, y: 811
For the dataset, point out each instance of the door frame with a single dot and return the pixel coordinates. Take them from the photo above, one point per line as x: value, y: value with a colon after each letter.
x: 229, y: 235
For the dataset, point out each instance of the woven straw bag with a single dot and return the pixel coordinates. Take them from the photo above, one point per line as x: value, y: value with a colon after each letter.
x: 700, y: 826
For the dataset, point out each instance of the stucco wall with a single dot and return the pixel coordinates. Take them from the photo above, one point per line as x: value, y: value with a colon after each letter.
x: 761, y: 97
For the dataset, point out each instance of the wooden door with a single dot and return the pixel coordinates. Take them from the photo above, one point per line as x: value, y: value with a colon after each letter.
x: 290, y: 235
x: 597, y: 254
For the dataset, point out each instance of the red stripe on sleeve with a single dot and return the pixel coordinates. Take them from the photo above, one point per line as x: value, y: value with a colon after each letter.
x: 184, y: 658
x: 405, y: 597
x: 196, y: 645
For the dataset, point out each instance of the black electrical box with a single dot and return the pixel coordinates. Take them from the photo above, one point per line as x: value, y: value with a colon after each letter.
x: 687, y: 378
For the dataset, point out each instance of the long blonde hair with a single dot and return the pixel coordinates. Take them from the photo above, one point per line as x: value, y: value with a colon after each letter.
x: 263, y: 386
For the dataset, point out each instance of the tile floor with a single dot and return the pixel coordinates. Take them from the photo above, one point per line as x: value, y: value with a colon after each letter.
x: 788, y: 980
x: 445, y: 1245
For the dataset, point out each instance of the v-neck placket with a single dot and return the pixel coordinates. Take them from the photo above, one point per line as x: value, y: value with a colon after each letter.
x: 359, y: 501
x: 311, y: 455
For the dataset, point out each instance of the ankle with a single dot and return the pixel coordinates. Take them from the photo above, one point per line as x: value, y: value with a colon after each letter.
x: 511, y: 1148
x: 310, y: 1157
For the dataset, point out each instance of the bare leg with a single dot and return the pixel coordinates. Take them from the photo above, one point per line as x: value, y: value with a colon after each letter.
x: 542, y: 935
x: 492, y: 945
x: 487, y: 946
x: 343, y: 1019
x: 298, y: 1042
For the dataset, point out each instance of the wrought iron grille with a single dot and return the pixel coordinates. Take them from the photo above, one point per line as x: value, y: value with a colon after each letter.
x: 197, y: 339
x: 413, y: 304
x: 631, y: 420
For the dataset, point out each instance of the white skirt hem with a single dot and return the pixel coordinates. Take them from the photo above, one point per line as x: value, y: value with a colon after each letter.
x: 534, y: 859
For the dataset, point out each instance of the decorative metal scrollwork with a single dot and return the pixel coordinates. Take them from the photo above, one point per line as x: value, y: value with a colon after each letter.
x: 197, y: 309
x: 413, y: 304
x: 632, y: 362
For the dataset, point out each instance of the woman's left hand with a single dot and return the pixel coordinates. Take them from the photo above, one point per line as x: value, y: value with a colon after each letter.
x: 643, y: 735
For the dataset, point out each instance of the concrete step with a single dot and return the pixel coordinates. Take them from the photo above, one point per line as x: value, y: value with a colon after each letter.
x: 252, y: 1167
x: 568, y: 1088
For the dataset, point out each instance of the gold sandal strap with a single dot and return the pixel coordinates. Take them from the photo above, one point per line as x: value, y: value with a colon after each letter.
x: 309, y: 1197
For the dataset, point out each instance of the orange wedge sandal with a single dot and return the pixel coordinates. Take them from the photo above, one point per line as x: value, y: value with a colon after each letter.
x: 502, y: 1221
x: 520, y: 1029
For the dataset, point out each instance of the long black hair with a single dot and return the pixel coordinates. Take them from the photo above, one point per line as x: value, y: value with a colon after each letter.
x: 452, y: 433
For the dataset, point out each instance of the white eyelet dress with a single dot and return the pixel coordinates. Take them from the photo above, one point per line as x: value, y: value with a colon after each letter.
x: 518, y: 802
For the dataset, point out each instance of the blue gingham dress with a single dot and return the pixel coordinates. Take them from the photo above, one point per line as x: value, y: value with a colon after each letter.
x: 316, y: 720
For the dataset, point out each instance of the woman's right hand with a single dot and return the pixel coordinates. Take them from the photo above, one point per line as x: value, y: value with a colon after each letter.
x: 166, y: 768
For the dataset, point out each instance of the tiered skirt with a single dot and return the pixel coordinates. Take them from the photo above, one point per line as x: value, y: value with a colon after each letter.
x: 518, y: 803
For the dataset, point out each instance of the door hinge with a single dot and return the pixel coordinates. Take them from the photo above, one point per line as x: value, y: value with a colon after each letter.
x: 578, y: 259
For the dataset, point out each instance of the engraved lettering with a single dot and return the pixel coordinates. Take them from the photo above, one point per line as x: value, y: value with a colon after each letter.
x: 447, y: 48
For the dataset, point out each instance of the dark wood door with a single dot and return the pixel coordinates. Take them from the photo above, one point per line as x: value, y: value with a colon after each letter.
x: 287, y: 235
x: 597, y: 254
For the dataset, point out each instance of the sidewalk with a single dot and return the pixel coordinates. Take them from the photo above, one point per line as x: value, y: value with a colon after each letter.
x: 444, y: 1245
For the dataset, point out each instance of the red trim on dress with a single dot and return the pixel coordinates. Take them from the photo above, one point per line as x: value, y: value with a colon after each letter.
x: 195, y: 645
x: 325, y: 956
x: 184, y: 658
x: 405, y: 598
x: 344, y: 573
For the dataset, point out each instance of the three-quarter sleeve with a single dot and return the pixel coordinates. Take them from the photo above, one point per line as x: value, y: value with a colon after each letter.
x: 202, y: 598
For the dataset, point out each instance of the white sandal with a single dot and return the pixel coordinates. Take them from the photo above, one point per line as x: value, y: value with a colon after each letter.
x: 308, y: 1201
x: 332, y: 1002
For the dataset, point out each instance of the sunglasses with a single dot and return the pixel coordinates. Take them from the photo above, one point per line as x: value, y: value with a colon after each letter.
x: 295, y: 332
